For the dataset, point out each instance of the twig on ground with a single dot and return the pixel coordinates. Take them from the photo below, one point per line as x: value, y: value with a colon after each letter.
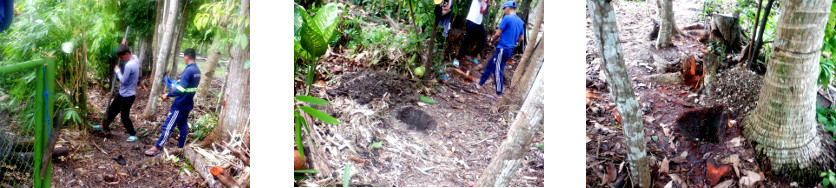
x: 100, y: 149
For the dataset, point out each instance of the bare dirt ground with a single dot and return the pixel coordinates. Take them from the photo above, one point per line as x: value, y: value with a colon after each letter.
x: 93, y: 158
x: 678, y: 157
x: 448, y: 143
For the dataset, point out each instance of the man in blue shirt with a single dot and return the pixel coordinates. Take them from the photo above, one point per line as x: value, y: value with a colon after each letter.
x: 509, y: 32
x: 123, y: 100
x: 183, y: 93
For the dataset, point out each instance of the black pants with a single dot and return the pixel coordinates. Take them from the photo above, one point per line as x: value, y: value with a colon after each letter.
x: 120, y: 105
x: 474, y: 38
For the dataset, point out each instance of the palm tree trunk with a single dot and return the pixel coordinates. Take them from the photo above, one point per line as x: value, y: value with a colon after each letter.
x: 605, y: 27
x: 783, y: 126
x: 157, y: 86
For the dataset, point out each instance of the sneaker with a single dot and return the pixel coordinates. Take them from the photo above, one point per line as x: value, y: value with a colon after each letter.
x: 131, y: 139
x: 97, y: 127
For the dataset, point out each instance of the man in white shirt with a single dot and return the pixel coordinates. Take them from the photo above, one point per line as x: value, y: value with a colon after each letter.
x: 474, y: 37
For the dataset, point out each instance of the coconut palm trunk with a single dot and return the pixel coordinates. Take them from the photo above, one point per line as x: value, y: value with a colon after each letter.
x: 783, y: 126
x: 605, y: 27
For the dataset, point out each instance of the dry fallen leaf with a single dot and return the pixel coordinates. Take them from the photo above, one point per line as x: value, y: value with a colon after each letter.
x: 681, y: 158
x: 664, y: 167
x: 724, y: 184
x: 750, y: 179
x: 611, y: 173
x: 676, y: 180
x: 617, y: 115
x: 734, y: 160
x: 736, y: 142
x: 665, y: 129
x: 715, y: 172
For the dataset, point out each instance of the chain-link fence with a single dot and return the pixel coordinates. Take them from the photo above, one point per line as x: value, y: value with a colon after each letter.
x: 25, y: 102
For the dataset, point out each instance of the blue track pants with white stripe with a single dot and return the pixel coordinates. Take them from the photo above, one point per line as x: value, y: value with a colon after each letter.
x: 175, y: 118
x: 496, y: 67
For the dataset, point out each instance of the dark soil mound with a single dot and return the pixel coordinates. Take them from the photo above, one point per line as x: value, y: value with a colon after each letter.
x: 419, y: 119
x: 702, y: 125
x: 737, y: 89
x: 370, y: 85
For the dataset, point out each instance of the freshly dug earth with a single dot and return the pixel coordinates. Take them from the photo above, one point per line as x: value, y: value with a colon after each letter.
x: 369, y: 85
x: 419, y: 119
x: 737, y: 89
x: 702, y: 125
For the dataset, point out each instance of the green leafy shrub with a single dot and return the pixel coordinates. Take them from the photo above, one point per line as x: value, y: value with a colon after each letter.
x: 827, y: 117
x: 299, y: 120
x: 311, y: 35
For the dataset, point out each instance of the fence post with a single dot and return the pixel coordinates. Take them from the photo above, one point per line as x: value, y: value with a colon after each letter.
x: 45, y: 86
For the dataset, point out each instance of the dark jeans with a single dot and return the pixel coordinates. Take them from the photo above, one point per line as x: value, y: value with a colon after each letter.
x: 120, y: 105
x: 474, y: 38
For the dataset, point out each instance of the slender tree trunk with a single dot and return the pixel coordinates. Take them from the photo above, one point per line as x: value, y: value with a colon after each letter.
x: 208, y: 75
x: 605, y: 27
x: 155, y: 43
x: 783, y: 126
x: 237, y: 108
x: 759, y: 41
x: 175, y: 56
x: 530, y: 47
x: 513, y: 150
x: 178, y: 37
x: 157, y: 87
x: 147, y: 58
x: 533, y: 68
x: 747, y: 52
x: 667, y: 26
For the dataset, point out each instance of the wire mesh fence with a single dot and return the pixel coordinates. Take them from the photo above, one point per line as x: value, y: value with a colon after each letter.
x: 25, y: 123
x: 17, y: 123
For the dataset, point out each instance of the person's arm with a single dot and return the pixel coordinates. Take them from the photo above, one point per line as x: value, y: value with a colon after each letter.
x: 118, y: 73
x: 495, y: 37
x: 185, y: 80
x: 522, y: 36
x: 502, y: 26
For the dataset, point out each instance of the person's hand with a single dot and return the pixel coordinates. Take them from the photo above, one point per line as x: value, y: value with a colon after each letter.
x: 116, y: 68
x: 165, y: 96
x: 125, y: 42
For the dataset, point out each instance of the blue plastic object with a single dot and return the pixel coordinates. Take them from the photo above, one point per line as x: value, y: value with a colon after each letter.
x: 6, y: 14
